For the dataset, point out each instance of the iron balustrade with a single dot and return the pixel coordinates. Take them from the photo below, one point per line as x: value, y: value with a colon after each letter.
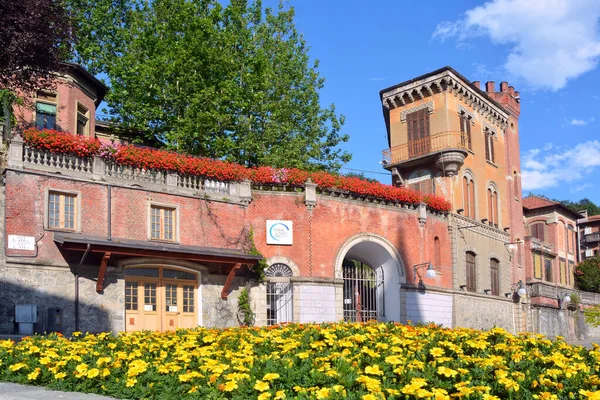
x: 439, y: 142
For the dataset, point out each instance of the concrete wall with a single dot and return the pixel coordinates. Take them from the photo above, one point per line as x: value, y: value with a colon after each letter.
x: 426, y: 306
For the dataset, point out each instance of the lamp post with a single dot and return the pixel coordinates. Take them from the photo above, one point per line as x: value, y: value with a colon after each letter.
x: 430, y: 273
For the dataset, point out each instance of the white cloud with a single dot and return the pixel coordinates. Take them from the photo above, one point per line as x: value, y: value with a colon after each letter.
x: 578, y: 122
x: 551, y: 41
x: 581, y: 187
x: 545, y: 169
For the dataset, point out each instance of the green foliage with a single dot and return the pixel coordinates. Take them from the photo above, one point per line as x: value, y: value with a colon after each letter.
x: 246, y: 313
x: 575, y: 299
x: 592, y: 315
x: 261, y: 265
x: 587, y: 275
x: 360, y: 175
x: 232, y: 82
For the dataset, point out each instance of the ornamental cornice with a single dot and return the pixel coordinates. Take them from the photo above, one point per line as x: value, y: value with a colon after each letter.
x: 446, y: 81
x: 428, y: 106
x: 464, y: 110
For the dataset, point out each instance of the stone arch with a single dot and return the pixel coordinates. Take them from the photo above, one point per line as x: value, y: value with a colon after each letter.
x: 284, y: 260
x: 377, y: 252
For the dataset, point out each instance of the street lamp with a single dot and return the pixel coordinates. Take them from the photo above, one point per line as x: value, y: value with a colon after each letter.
x: 430, y: 273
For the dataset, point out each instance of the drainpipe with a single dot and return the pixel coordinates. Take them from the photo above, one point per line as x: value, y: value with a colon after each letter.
x: 109, y: 212
x: 76, y: 273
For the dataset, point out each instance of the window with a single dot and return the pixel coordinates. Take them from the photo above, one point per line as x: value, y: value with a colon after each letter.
x: 492, y: 195
x: 188, y: 298
x: 469, y: 196
x: 162, y: 224
x: 537, y: 230
x: 131, y: 293
x: 495, y: 276
x: 421, y: 181
x: 437, y: 252
x: 563, y: 271
x: 537, y: 266
x: 465, y: 130
x: 45, y: 111
x: 279, y: 294
x: 548, y: 270
x: 516, y: 185
x: 82, y: 120
x: 571, y: 272
x: 489, y: 145
x: 571, y: 239
x: 471, y: 272
x: 418, y: 130
x: 62, y: 211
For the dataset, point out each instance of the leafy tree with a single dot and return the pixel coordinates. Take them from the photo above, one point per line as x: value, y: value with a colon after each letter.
x: 35, y: 36
x: 587, y: 275
x: 232, y: 82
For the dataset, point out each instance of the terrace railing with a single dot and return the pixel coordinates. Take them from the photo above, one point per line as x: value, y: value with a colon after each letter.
x: 433, y: 144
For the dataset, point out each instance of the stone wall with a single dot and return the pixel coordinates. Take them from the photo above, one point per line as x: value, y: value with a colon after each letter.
x: 552, y: 322
x: 483, y: 312
x: 219, y: 313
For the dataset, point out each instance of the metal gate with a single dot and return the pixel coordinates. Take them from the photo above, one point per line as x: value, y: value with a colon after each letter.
x: 363, y: 292
x: 279, y: 294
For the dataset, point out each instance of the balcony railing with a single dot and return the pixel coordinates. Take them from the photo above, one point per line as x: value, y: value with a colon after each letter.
x: 592, y: 237
x: 422, y: 147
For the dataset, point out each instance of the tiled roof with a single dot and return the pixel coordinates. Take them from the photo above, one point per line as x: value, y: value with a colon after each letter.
x: 533, y: 202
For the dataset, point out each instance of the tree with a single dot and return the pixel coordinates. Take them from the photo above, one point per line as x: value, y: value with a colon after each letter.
x: 35, y: 38
x: 232, y: 82
x: 587, y: 275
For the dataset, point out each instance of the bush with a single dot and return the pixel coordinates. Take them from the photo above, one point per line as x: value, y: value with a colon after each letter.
x: 369, y: 361
x: 587, y: 275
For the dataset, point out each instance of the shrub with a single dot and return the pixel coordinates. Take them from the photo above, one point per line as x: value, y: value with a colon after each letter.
x: 587, y: 275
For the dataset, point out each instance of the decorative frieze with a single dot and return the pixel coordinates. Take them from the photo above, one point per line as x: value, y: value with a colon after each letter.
x: 425, y: 106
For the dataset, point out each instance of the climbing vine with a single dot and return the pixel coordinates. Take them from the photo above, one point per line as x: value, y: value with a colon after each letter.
x: 261, y: 265
x: 245, y: 313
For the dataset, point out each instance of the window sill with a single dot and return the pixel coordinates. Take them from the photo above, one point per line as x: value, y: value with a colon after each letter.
x: 62, y: 230
x: 163, y: 241
x: 491, y: 163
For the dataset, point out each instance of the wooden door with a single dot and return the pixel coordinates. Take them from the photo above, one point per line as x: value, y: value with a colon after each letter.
x: 133, y: 317
x: 171, y: 306
x: 151, y: 315
x: 419, y: 142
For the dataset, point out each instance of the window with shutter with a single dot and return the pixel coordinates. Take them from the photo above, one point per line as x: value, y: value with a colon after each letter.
x: 471, y: 272
x: 495, y: 276
x: 418, y: 133
x: 465, y: 130
x: 437, y: 252
x: 469, y: 197
x: 537, y: 266
x: 548, y: 269
x: 537, y: 230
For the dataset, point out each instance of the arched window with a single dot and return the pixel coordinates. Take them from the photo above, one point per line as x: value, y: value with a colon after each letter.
x: 538, y: 230
x: 471, y: 272
x: 492, y: 195
x: 489, y: 145
x: 465, y: 129
x: 279, y: 294
x: 516, y: 188
x: 437, y: 252
x: 571, y: 238
x: 469, y: 196
x: 495, y: 276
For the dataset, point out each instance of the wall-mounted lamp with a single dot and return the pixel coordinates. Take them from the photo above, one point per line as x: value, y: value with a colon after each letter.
x: 512, y: 246
x: 564, y: 299
x: 507, y: 229
x: 430, y: 273
x: 508, y: 294
x: 463, y: 287
x: 460, y: 211
x: 487, y: 291
x: 484, y: 220
x: 520, y: 286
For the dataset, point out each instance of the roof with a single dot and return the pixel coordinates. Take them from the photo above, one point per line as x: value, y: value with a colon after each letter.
x: 79, y: 242
x: 538, y: 203
x: 101, y: 88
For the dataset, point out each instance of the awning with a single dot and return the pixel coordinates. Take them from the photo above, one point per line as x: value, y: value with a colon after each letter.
x: 234, y: 259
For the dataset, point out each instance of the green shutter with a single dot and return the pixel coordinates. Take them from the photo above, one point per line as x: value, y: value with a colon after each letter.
x: 45, y: 108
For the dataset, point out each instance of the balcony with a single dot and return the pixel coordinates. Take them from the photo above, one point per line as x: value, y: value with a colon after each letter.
x: 592, y: 237
x: 448, y: 148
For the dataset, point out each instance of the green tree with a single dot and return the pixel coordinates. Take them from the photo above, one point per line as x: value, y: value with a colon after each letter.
x: 232, y: 82
x: 587, y: 275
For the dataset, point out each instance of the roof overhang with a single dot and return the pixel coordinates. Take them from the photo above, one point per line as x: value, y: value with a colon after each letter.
x: 232, y: 259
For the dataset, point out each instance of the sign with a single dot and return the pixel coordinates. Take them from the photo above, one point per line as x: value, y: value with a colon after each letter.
x: 280, y: 232
x: 17, y: 242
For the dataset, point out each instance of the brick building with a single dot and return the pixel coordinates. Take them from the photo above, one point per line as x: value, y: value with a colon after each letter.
x: 112, y: 247
x: 589, y: 234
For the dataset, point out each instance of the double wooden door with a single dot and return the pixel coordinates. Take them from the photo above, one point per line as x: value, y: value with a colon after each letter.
x: 160, y: 299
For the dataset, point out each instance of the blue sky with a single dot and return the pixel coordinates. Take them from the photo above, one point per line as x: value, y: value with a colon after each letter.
x: 547, y: 49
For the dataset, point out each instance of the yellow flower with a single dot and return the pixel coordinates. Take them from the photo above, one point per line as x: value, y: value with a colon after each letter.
x: 18, y: 366
x: 92, y: 373
x: 322, y: 393
x: 261, y: 386
x: 280, y: 395
x: 264, y: 396
x: 374, y: 370
x: 105, y: 372
x: 447, y: 372
x: 131, y: 382
x: 590, y: 395
x: 436, y: 352
x: 270, y: 376
x: 369, y: 397
x: 59, y: 375
x: 34, y: 374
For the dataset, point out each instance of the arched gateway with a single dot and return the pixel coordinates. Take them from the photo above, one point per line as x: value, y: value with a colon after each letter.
x: 372, y: 270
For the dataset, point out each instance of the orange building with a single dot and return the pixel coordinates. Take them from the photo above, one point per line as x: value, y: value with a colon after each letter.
x: 449, y: 137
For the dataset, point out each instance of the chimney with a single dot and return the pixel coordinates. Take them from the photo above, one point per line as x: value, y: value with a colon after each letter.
x: 477, y: 84
x: 489, y: 86
x: 517, y: 96
x: 503, y: 87
x: 584, y: 213
x: 511, y: 90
